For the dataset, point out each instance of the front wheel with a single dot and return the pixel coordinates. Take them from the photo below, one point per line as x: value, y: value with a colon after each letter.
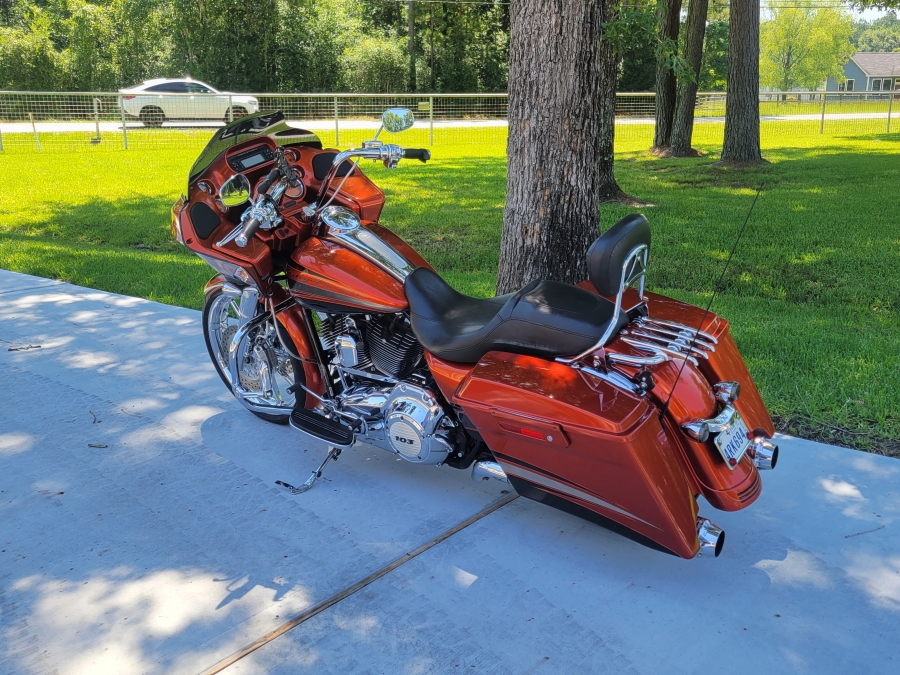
x: 266, y: 368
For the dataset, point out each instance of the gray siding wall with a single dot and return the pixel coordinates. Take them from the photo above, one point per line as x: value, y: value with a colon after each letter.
x: 851, y: 72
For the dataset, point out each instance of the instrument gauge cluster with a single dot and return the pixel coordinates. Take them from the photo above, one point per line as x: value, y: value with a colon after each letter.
x: 250, y: 159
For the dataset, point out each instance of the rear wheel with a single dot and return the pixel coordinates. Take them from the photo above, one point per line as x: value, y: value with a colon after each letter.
x: 235, y: 112
x: 265, y: 366
x: 152, y: 116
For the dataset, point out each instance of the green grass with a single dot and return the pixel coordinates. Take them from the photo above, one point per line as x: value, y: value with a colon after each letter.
x: 812, y: 295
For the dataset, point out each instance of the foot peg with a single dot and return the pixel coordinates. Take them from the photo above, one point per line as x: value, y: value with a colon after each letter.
x: 333, y: 453
x: 328, y: 429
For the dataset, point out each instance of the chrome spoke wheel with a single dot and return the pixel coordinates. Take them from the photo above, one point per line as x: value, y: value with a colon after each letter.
x: 266, y: 369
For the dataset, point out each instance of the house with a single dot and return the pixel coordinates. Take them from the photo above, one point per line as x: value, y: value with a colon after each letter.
x: 869, y: 71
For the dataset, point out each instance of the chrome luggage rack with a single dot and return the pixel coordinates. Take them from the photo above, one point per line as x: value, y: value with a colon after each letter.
x: 662, y: 340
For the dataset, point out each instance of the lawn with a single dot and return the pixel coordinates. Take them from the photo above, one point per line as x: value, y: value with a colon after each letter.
x: 813, y: 293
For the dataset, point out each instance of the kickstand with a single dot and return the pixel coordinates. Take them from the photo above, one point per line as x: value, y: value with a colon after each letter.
x: 333, y: 453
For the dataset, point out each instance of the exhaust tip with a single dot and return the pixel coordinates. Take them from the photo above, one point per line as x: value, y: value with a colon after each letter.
x: 486, y: 470
x: 711, y: 537
x: 765, y: 453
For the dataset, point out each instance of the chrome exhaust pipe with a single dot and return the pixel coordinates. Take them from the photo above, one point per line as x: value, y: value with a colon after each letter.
x: 486, y: 469
x: 712, y: 537
x: 764, y: 453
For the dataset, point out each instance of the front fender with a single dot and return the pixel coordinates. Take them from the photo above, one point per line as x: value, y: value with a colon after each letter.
x: 294, y: 322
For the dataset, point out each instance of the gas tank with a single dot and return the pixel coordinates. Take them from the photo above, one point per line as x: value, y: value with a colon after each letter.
x: 351, y: 267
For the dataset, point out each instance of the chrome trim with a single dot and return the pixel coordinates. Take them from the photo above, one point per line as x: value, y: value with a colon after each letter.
x: 363, y: 241
x: 486, y: 470
x: 727, y: 392
x: 348, y: 353
x: 698, y: 430
x: 634, y: 268
x: 531, y: 476
x: 371, y: 376
x: 240, y: 393
x: 679, y: 327
x: 231, y: 290
x: 764, y: 453
x: 650, y: 347
x: 630, y: 360
x: 678, y: 345
x: 672, y: 334
x: 710, y: 536
x: 614, y: 378
x: 248, y: 305
x: 340, y: 219
x: 721, y: 421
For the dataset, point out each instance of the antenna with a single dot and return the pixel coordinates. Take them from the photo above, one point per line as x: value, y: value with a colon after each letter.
x: 665, y: 408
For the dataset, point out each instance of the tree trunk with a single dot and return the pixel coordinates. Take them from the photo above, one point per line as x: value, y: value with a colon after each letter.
x: 557, y: 82
x: 411, y: 39
x: 665, y: 76
x: 686, y: 99
x: 609, y: 190
x: 742, y: 105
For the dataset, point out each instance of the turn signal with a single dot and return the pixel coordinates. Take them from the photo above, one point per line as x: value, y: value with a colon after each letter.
x: 727, y: 392
x: 697, y: 430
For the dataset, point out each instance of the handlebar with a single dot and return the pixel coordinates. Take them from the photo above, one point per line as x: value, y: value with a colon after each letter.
x: 422, y: 154
x: 249, y: 230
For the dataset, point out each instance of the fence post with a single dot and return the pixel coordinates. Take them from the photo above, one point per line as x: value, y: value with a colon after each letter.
x: 337, y: 131
x: 230, y: 110
x: 1, y: 140
x: 431, y: 120
x: 122, y: 115
x: 822, y: 123
x: 96, y: 139
x: 890, y: 105
x: 34, y: 129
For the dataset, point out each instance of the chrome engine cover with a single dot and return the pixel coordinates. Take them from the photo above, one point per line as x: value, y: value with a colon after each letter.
x: 406, y: 420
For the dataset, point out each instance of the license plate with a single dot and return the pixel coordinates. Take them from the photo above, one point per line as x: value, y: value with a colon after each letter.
x: 732, y: 441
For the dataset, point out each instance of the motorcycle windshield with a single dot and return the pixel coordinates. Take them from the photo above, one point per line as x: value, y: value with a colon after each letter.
x: 271, y: 124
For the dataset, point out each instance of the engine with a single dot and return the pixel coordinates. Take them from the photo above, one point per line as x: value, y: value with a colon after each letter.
x: 376, y: 359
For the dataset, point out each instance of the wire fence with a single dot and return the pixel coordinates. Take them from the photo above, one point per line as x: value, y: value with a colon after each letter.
x: 73, y: 121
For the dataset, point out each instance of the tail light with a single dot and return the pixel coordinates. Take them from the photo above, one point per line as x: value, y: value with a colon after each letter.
x: 127, y: 98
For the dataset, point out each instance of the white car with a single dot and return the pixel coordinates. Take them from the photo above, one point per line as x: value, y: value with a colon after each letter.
x: 155, y: 101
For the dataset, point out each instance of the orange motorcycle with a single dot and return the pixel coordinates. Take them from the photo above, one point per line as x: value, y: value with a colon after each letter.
x: 601, y: 399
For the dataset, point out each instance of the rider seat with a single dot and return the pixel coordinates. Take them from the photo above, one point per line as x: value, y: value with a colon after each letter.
x: 545, y: 318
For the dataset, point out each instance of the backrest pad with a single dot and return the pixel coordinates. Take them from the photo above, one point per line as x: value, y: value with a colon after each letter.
x: 607, y: 254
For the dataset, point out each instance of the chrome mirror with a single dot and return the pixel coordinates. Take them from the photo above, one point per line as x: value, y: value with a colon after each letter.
x: 235, y: 191
x: 396, y: 120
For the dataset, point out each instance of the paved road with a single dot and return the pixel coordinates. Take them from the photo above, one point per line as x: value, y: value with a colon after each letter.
x: 141, y: 532
x: 328, y: 125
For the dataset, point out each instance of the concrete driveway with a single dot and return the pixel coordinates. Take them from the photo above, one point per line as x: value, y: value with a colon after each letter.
x: 142, y: 532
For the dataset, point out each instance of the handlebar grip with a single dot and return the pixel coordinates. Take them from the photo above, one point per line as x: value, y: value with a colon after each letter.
x: 422, y: 155
x: 249, y: 230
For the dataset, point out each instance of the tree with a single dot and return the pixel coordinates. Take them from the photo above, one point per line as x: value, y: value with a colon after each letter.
x: 685, y: 100
x: 375, y: 65
x: 669, y: 23
x: 880, y: 40
x: 714, y: 71
x: 741, y: 144
x: 801, y: 46
x: 558, y: 81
